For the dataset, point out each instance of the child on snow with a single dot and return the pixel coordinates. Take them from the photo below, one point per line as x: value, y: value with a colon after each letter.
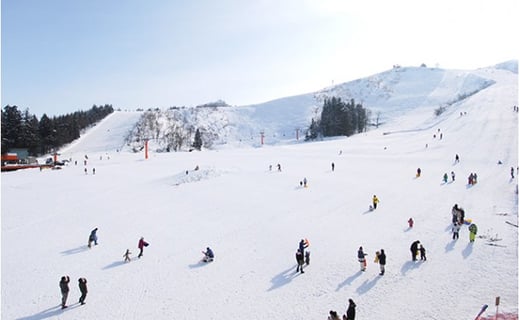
x: 127, y: 255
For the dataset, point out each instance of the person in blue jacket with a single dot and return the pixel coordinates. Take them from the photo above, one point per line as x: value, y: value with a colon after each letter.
x: 208, y: 255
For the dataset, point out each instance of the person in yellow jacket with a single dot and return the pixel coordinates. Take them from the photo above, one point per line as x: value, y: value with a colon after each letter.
x: 375, y: 201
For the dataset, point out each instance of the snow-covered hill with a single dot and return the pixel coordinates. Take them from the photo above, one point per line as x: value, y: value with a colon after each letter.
x: 253, y: 218
x: 387, y: 95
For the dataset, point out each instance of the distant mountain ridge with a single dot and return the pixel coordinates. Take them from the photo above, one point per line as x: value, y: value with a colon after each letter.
x: 387, y: 95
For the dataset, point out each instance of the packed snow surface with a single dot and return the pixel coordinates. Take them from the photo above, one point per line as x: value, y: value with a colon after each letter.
x: 253, y: 218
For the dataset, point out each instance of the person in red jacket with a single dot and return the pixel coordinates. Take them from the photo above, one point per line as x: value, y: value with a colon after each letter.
x: 141, y: 246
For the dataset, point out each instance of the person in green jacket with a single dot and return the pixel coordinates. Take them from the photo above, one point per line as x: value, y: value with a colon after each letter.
x: 472, y: 232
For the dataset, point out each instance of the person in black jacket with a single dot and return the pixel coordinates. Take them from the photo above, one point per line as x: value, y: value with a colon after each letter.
x: 64, y: 287
x: 382, y: 262
x: 351, y: 310
x: 413, y: 248
x: 299, y: 260
x: 82, y: 282
x: 361, y: 258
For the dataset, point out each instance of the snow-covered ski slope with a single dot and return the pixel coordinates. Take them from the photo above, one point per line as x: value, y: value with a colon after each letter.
x: 253, y: 219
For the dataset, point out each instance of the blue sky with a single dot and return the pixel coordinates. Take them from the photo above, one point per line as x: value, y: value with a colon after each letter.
x: 59, y: 56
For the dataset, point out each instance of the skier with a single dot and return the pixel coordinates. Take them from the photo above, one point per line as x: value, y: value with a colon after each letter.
x: 279, y: 166
x: 332, y: 167
x: 455, y: 229
x: 445, y: 178
x: 361, y: 258
x: 472, y: 232
x: 305, y: 182
x: 375, y: 201
x: 512, y: 173
x: 299, y: 261
x: 92, y: 237
x: 208, y: 255
x: 141, y: 246
x: 64, y: 287
x: 127, y: 255
x: 413, y: 248
x: 82, y: 282
x: 457, y: 159
x: 382, y: 262
x: 452, y: 176
x: 351, y: 310
x: 410, y: 223
x: 423, y: 252
x: 418, y: 174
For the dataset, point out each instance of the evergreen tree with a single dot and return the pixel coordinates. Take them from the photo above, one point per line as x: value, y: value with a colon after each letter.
x: 197, y: 142
x: 11, y: 127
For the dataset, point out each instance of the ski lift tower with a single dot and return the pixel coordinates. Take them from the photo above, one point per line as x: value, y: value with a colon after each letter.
x: 262, y: 133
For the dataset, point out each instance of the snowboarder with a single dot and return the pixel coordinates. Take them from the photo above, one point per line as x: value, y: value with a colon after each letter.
x: 361, y: 258
x: 452, y: 176
x: 64, y: 287
x: 305, y: 182
x: 299, y: 261
x: 382, y: 262
x: 413, y: 248
x: 422, y: 250
x: 418, y: 174
x: 351, y: 310
x: 457, y: 159
x: 93, y: 171
x: 472, y: 232
x: 279, y: 166
x: 92, y: 237
x: 208, y: 255
x: 141, y: 246
x: 332, y: 167
x: 82, y: 282
x: 445, y: 178
x: 375, y: 201
x: 410, y: 223
x: 455, y: 229
x: 127, y: 255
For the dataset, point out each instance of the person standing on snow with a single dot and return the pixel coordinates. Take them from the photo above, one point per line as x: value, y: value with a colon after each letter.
x: 141, y: 246
x: 455, y: 229
x: 303, y: 245
x: 445, y: 178
x: 472, y: 232
x: 299, y: 261
x: 361, y: 258
x: 382, y: 262
x: 82, y: 283
x: 413, y: 249
x: 452, y: 176
x: 64, y: 287
x: 92, y: 238
x: 351, y: 310
x: 375, y: 201
x: 423, y: 252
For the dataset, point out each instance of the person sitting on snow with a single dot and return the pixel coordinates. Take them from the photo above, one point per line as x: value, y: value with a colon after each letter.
x: 208, y: 255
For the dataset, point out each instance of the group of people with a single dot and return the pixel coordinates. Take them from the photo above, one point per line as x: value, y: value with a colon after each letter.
x: 349, y: 315
x: 302, y: 256
x: 379, y: 258
x: 417, y: 248
x: 64, y: 287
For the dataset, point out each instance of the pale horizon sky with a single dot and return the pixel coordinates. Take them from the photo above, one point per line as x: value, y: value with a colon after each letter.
x: 61, y: 56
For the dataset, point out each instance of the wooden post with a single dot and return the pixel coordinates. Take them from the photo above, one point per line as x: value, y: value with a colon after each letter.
x: 497, y: 302
x: 146, y: 149
x: 262, y: 138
